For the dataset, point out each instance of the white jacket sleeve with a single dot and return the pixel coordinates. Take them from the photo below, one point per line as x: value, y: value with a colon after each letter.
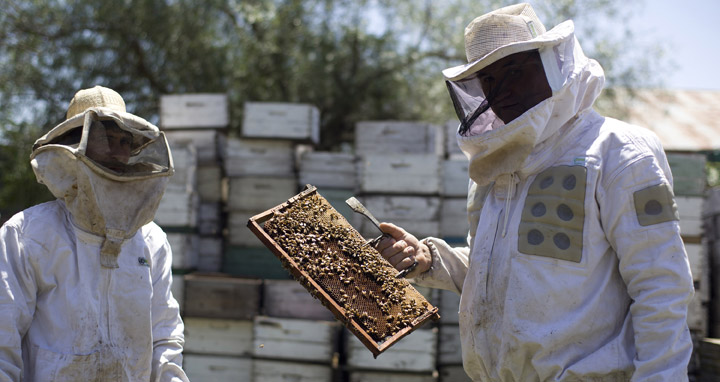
x: 168, y: 337
x: 652, y: 263
x: 449, y: 266
x: 17, y: 302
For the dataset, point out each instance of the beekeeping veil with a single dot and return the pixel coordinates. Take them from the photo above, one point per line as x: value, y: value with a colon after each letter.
x: 493, y: 146
x: 108, y: 166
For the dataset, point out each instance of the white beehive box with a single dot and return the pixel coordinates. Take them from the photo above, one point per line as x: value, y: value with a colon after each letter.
x: 178, y: 208
x: 294, y: 339
x: 177, y: 288
x: 263, y: 157
x: 454, y: 175
x: 449, y: 347
x: 200, y: 110
x: 185, y: 164
x: 381, y: 376
x: 417, y: 174
x: 451, y: 144
x: 210, y: 253
x: 453, y: 219
x: 200, y: 367
x: 281, y: 120
x: 206, y: 143
x: 209, y: 218
x: 184, y: 248
x: 238, y: 232
x: 259, y: 193
x: 209, y: 183
x: 690, y: 211
x: 387, y: 137
x: 289, y: 299
x: 449, y: 307
x: 218, y: 336
x: 418, y: 215
x: 414, y: 353
x: 453, y: 373
x: 283, y: 371
x: 328, y: 169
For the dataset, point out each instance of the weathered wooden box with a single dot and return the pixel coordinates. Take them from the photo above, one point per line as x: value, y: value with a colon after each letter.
x: 209, y: 217
x: 386, y: 137
x: 454, y: 223
x: 205, y: 142
x: 289, y: 299
x: 199, y: 110
x: 237, y: 232
x: 389, y: 376
x: 451, y: 144
x: 414, y: 174
x: 688, y: 169
x: 295, y: 339
x: 328, y: 169
x: 218, y: 336
x: 209, y: 183
x: 210, y: 253
x: 284, y: 371
x: 259, y: 157
x: 201, y: 367
x: 184, y: 248
x: 449, y: 307
x: 255, y: 193
x: 449, y: 346
x: 253, y: 262
x: 453, y: 373
x: 455, y: 177
x: 416, y: 353
x: 690, y: 210
x: 178, y: 208
x: 221, y: 296
x: 281, y: 120
x: 418, y: 215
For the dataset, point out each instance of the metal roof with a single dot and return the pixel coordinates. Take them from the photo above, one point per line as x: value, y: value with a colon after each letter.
x: 685, y: 120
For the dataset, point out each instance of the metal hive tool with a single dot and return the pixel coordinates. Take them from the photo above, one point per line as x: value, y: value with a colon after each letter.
x: 336, y: 265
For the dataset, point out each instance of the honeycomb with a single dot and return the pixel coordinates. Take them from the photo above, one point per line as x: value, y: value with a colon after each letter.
x: 336, y: 265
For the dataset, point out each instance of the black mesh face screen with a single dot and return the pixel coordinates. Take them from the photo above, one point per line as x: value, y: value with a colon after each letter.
x: 323, y: 247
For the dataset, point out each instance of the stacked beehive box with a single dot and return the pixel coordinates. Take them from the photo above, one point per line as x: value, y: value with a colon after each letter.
x: 261, y: 173
x: 399, y: 175
x: 190, y: 211
x: 219, y: 319
x: 689, y: 183
x: 454, y: 181
x: 450, y: 366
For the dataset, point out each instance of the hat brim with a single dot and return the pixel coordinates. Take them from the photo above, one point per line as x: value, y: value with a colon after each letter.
x: 552, y: 37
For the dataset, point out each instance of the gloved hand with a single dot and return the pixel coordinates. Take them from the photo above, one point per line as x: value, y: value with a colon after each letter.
x: 402, y: 249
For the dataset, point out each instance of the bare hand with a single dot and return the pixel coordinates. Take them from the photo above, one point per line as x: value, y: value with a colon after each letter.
x: 403, y: 249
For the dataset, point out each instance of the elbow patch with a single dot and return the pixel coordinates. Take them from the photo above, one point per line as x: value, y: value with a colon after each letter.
x: 554, y: 214
x: 655, y: 204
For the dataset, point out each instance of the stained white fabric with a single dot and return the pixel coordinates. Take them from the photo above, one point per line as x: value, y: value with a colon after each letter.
x: 109, y: 205
x: 63, y: 317
x: 620, y: 312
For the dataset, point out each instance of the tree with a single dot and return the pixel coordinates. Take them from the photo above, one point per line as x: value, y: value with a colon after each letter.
x: 353, y: 59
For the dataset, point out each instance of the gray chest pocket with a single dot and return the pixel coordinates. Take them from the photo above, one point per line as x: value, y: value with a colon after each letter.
x: 553, y: 215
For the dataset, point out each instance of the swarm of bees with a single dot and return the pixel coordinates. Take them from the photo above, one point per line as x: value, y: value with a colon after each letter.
x: 321, y: 243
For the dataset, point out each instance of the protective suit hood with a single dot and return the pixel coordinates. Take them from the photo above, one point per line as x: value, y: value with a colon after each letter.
x: 495, y: 148
x: 112, y: 201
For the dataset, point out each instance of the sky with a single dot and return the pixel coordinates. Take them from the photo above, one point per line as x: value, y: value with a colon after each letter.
x: 691, y: 29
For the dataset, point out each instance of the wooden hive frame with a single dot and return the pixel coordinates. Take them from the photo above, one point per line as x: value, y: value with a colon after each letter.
x: 256, y: 225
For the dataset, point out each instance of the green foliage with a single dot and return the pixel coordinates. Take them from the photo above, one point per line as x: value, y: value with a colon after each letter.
x: 353, y: 59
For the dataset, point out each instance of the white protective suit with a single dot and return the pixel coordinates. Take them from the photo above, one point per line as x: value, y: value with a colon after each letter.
x: 575, y: 269
x: 85, y: 279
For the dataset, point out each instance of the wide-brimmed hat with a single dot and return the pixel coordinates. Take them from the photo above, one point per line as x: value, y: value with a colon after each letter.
x: 498, y: 34
x: 97, y: 96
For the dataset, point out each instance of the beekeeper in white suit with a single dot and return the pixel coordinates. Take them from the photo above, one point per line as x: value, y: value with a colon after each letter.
x: 574, y: 270
x: 85, y: 279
